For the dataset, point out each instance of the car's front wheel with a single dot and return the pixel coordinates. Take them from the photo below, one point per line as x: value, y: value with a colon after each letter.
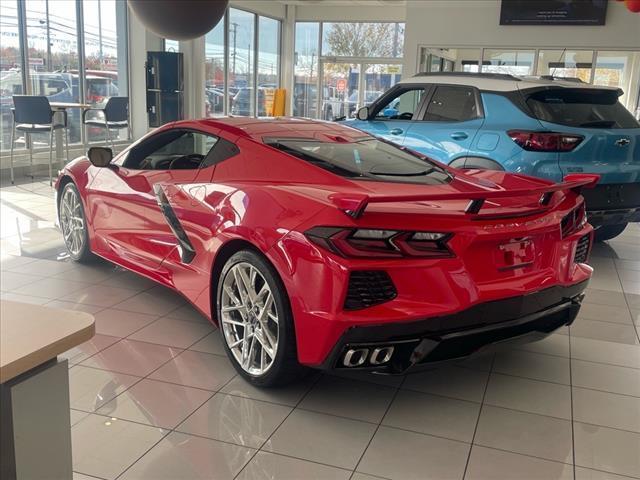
x: 73, y: 224
x: 256, y: 322
x: 607, y: 232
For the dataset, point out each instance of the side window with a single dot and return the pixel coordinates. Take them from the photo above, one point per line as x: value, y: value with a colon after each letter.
x: 222, y: 150
x: 171, y: 150
x: 402, y: 106
x: 452, y: 104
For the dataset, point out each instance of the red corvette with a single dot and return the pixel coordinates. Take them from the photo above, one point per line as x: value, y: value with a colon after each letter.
x: 314, y: 244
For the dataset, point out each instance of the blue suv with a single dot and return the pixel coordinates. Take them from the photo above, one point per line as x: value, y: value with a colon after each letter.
x: 540, y: 126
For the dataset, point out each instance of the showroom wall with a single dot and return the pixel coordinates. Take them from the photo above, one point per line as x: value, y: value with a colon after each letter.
x: 451, y: 23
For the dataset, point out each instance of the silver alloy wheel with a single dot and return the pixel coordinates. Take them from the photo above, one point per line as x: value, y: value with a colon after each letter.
x: 249, y: 318
x: 72, y: 221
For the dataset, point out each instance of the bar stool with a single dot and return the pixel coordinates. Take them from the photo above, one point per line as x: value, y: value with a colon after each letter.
x: 33, y: 114
x: 115, y: 114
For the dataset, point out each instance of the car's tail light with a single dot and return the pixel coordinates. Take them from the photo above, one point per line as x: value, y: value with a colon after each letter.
x: 573, y: 221
x: 545, y: 141
x: 363, y: 242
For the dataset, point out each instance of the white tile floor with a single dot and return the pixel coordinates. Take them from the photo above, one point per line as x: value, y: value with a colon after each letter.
x: 154, y: 397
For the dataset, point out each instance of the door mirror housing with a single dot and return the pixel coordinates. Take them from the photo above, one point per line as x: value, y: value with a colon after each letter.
x: 100, y: 156
x: 363, y: 113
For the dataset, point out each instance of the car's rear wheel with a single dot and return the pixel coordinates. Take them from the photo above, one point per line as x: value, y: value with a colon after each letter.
x: 607, y: 232
x: 256, y: 321
x: 73, y: 224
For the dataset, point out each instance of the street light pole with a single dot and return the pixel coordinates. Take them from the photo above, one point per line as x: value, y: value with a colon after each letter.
x: 235, y: 31
x: 48, y: 37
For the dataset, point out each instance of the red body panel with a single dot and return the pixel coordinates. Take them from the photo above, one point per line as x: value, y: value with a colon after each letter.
x: 269, y: 199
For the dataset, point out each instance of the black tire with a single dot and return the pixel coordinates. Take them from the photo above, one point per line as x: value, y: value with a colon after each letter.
x: 285, y: 368
x: 607, y: 232
x: 83, y: 255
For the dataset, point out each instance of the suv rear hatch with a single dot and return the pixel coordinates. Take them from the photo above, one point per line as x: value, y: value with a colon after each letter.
x: 610, y: 144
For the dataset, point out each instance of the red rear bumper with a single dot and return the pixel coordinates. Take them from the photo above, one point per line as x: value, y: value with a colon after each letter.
x: 434, y: 294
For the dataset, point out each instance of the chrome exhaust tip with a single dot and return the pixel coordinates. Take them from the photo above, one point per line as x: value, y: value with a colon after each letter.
x: 381, y: 355
x: 355, y: 357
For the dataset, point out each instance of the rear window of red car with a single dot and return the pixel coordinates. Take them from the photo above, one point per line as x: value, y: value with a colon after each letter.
x: 365, y: 159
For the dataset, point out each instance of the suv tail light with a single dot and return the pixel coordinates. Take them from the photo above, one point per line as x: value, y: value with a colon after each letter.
x: 545, y: 141
x: 367, y: 243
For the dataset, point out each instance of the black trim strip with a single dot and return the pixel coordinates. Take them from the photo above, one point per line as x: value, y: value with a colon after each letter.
x: 187, y: 252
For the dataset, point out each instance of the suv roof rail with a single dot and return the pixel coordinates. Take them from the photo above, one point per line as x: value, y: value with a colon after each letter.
x: 493, y: 76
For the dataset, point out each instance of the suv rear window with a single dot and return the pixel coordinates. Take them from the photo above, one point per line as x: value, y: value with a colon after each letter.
x: 368, y: 158
x: 588, y: 108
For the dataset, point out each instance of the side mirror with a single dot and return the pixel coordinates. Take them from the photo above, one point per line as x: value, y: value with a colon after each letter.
x: 100, y: 156
x: 363, y: 113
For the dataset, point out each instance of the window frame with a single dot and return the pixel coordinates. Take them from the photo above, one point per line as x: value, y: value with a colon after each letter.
x: 476, y: 93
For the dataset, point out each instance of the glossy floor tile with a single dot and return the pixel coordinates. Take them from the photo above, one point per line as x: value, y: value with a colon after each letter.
x: 153, y: 395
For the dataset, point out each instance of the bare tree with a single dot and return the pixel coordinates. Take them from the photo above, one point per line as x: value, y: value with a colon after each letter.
x: 365, y: 39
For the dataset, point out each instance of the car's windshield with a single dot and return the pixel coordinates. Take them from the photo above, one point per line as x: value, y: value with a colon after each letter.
x: 368, y: 158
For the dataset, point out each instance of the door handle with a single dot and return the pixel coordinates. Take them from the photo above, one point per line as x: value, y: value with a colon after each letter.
x: 396, y: 131
x: 459, y: 135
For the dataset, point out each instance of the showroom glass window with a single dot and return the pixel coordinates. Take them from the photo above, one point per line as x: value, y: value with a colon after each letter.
x: 105, y: 75
x: 360, y: 39
x: 245, y: 85
x: 51, y: 65
x: 214, y: 70
x: 566, y: 63
x: 10, y: 75
x: 341, y: 66
x: 241, y: 62
x: 268, y: 64
x: 513, y: 62
x: 307, y: 50
x: 52, y: 39
x: 171, y: 45
x: 616, y: 69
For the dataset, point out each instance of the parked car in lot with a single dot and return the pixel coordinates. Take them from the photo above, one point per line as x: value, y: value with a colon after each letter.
x: 540, y: 126
x: 305, y: 98
x: 214, y: 101
x: 241, y: 102
x: 410, y: 261
x: 351, y: 104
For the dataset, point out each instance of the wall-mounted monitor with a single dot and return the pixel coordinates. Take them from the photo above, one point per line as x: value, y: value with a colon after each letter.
x: 553, y: 12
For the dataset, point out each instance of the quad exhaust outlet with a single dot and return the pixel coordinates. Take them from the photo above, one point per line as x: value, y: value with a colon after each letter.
x: 357, y: 357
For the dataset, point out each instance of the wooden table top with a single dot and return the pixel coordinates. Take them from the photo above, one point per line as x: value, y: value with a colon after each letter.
x: 69, y: 105
x: 31, y: 335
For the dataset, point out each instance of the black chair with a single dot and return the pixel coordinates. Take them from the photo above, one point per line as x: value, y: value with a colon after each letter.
x: 33, y: 114
x: 115, y: 114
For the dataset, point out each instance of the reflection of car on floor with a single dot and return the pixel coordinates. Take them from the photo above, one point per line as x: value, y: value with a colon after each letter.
x: 540, y: 126
x: 410, y: 261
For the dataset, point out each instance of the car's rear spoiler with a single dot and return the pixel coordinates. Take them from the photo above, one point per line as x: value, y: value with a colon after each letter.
x: 354, y: 204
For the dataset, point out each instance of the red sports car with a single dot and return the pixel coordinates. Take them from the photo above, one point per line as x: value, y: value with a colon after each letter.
x: 314, y: 244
